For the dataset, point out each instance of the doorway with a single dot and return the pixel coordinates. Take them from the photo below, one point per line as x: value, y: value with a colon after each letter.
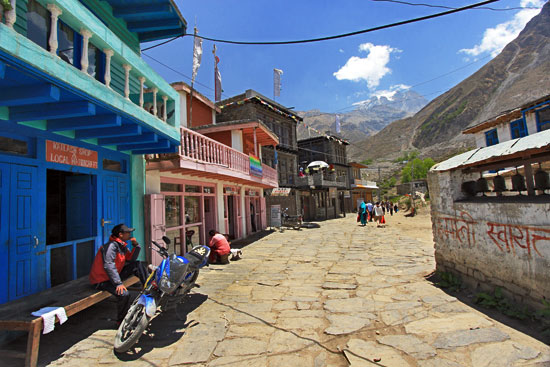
x: 231, y: 216
x: 70, y: 225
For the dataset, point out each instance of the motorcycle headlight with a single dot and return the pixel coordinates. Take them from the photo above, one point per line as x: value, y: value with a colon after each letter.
x: 164, y: 281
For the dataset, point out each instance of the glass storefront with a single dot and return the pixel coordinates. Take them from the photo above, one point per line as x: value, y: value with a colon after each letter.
x: 189, y: 213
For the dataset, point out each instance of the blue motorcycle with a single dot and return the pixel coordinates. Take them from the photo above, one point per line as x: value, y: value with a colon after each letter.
x: 175, y: 276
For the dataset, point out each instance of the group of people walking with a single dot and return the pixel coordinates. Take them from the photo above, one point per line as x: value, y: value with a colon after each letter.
x: 375, y: 212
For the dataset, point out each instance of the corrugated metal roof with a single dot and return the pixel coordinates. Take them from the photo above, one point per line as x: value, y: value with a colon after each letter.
x: 502, y: 150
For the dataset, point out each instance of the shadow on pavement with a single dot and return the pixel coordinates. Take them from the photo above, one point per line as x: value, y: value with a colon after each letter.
x: 528, y: 326
x: 165, y: 329
x: 241, y: 243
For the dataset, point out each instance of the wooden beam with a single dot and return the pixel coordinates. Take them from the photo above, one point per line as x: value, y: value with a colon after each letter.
x: 143, y: 138
x: 48, y: 111
x: 29, y: 94
x: 148, y: 25
x: 161, y: 144
x: 125, y: 130
x: 154, y: 150
x: 139, y: 11
x: 83, y: 123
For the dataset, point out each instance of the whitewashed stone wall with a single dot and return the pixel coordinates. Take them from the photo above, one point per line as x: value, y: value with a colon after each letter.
x: 491, y: 244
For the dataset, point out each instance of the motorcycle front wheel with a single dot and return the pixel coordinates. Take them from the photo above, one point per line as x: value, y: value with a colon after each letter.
x: 131, y: 328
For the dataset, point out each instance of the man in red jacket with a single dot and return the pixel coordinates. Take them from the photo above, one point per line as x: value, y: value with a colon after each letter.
x: 113, y: 263
x: 219, y: 248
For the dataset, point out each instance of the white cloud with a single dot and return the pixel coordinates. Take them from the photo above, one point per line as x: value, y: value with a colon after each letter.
x: 371, y: 68
x: 341, y: 51
x: 494, y: 39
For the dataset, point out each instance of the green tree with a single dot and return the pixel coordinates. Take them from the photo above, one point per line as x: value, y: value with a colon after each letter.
x: 416, y: 169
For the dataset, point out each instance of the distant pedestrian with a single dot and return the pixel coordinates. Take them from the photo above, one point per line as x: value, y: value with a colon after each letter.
x: 363, y: 213
x: 391, y: 209
x: 395, y: 208
x: 378, y: 214
x: 369, y: 210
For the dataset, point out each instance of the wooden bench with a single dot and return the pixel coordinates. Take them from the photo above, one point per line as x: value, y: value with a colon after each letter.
x: 74, y: 296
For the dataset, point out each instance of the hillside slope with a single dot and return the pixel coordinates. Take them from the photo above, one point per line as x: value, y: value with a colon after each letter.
x: 520, y: 73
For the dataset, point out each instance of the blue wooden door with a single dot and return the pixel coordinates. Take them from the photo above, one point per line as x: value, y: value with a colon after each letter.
x: 79, y: 207
x: 4, y: 233
x: 26, y: 245
x: 116, y: 204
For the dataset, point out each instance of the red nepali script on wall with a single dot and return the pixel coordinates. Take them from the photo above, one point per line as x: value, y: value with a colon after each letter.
x: 71, y: 155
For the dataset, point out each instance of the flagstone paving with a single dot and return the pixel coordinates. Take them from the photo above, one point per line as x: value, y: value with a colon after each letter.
x: 338, y: 295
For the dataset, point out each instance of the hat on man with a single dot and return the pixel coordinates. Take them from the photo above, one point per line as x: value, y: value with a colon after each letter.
x: 121, y: 228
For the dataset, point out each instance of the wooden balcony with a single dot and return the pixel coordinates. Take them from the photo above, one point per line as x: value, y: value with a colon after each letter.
x: 205, y: 157
x: 320, y: 180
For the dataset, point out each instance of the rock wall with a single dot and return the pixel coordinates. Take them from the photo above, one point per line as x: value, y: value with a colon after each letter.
x: 490, y: 244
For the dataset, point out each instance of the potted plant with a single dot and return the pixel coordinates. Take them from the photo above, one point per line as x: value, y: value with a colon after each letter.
x: 6, y: 5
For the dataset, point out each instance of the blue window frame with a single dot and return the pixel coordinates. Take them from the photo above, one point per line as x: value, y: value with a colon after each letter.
x: 518, y: 129
x: 543, y: 119
x: 491, y: 137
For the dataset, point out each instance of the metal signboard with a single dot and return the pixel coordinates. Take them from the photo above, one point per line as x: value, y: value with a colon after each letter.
x: 275, y: 215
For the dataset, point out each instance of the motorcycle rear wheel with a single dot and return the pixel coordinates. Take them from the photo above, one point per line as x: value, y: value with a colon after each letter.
x: 131, y: 328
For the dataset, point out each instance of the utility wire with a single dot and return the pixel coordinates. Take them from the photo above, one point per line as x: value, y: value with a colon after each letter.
x: 310, y: 40
x: 448, y: 7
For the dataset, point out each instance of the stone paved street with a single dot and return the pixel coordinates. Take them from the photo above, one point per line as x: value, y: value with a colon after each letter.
x: 337, y: 295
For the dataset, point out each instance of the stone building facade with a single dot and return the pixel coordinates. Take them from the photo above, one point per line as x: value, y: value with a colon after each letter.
x: 284, y: 157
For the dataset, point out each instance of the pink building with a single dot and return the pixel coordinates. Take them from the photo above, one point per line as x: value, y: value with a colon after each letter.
x: 215, y: 181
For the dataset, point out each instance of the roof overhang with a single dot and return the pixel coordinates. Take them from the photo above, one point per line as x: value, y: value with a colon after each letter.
x: 150, y: 19
x: 507, y: 116
x: 51, y: 104
x: 182, y: 86
x: 531, y: 148
x: 264, y: 136
x: 357, y: 165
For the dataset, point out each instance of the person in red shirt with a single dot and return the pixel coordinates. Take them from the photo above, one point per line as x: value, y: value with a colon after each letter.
x: 113, y: 263
x: 219, y: 247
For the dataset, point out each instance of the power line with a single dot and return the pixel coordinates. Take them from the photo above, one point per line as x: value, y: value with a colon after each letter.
x: 310, y: 40
x: 180, y: 73
x: 448, y: 7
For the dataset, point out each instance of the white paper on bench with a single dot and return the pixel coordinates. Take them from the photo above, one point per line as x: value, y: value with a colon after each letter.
x: 48, y: 315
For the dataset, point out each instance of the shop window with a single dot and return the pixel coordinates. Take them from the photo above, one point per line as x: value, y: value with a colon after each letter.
x: 14, y: 146
x: 192, y: 237
x: 518, y: 129
x: 172, y: 211
x: 192, y: 188
x: 491, y: 137
x: 175, y: 241
x: 543, y: 119
x: 115, y: 166
x: 170, y: 187
x: 192, y: 209
x: 38, y: 24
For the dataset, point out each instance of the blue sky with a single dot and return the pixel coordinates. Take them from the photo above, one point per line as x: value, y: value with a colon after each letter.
x: 333, y: 75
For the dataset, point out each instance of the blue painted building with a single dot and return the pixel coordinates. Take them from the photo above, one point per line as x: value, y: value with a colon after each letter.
x: 79, y: 108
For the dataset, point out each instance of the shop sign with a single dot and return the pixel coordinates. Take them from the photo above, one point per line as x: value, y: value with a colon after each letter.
x: 281, y: 191
x: 347, y: 194
x: 252, y: 193
x: 332, y: 192
x: 70, y: 155
x: 230, y: 191
x: 255, y: 166
x: 275, y: 215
